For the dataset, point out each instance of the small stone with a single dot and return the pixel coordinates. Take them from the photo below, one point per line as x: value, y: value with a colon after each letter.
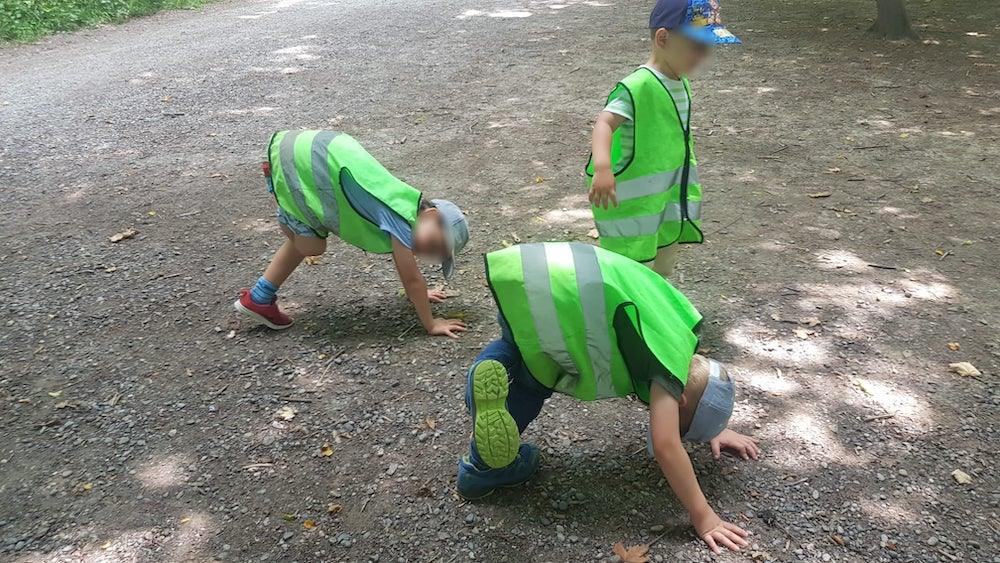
x: 903, y: 473
x: 932, y: 540
x: 656, y: 529
x: 470, y: 519
x: 815, y: 494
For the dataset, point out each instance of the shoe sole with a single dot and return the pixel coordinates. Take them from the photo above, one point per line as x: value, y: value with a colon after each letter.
x: 259, y: 318
x: 495, y: 431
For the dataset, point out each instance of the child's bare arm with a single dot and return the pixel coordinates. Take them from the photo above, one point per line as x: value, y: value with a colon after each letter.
x: 676, y: 466
x: 416, y: 290
x: 602, y: 189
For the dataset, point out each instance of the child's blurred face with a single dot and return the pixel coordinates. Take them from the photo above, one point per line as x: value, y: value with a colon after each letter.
x: 428, y: 236
x: 684, y: 55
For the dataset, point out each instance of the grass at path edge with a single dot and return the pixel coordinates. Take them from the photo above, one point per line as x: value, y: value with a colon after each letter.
x: 27, y: 20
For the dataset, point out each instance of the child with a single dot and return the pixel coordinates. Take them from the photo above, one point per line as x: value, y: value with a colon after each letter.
x: 587, y: 322
x: 325, y: 182
x: 642, y: 161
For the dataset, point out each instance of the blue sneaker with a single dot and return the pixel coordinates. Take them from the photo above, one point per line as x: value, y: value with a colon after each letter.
x: 475, y: 483
x: 494, y: 430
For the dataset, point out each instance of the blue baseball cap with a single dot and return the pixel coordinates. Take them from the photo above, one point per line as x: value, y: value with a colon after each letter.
x: 456, y: 232
x: 715, y: 406
x: 696, y: 19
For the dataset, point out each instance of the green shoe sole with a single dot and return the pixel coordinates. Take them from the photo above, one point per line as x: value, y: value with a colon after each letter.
x: 495, y: 431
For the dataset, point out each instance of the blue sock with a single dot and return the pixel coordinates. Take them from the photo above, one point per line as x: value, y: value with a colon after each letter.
x: 263, y: 292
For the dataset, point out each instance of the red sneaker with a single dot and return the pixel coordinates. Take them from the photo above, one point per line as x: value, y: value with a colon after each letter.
x: 267, y: 315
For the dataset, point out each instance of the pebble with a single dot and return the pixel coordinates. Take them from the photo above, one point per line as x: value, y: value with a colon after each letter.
x: 656, y: 529
x: 932, y: 540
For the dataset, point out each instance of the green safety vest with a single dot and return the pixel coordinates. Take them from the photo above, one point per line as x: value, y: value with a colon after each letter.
x: 307, y: 169
x: 659, y: 195
x: 592, y: 323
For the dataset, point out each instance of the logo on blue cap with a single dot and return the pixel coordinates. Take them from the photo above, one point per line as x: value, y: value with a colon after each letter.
x: 697, y: 19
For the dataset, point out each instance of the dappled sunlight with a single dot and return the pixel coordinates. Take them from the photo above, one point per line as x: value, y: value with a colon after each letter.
x: 891, y: 398
x: 759, y: 341
x: 769, y: 381
x: 471, y: 13
x: 930, y: 291
x: 840, y: 259
x: 567, y: 216
x: 890, y: 512
x: 163, y: 472
x: 805, y: 431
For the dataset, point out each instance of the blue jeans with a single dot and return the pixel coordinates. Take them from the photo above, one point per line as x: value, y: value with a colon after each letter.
x: 526, y: 395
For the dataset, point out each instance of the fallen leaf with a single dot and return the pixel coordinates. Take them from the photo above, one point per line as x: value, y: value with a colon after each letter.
x: 126, y: 234
x: 333, y: 508
x: 961, y: 477
x: 312, y: 260
x: 151, y: 213
x: 810, y: 321
x: 430, y: 422
x: 837, y: 539
x: 634, y: 554
x: 106, y: 545
x: 460, y: 315
x: 288, y: 517
x: 864, y: 386
x: 904, y: 135
x: 326, y: 450
x: 821, y: 194
x: 87, y: 486
x: 540, y: 179
x: 286, y: 413
x: 61, y: 405
x: 506, y: 243
x: 231, y: 334
x: 309, y: 524
x: 54, y: 394
x: 954, y: 346
x: 593, y: 233
x: 185, y: 520
x: 833, y: 170
x: 926, y: 200
x: 965, y: 369
x: 803, y: 333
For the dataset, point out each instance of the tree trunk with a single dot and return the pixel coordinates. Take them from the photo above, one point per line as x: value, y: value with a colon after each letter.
x: 892, y: 21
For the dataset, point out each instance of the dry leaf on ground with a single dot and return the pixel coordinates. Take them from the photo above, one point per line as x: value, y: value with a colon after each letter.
x: 820, y: 194
x: 326, y: 450
x: 430, y: 422
x: 312, y: 260
x: 286, y: 413
x: 954, y: 346
x: 333, y: 508
x: 964, y: 369
x: 309, y: 524
x: 126, y: 234
x: 634, y: 554
x: 961, y: 477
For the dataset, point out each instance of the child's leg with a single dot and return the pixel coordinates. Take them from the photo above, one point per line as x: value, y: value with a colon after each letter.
x: 503, y: 399
x: 285, y: 261
x: 666, y: 260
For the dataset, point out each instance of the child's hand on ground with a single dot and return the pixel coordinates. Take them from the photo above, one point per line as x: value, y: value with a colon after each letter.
x: 447, y: 327
x: 436, y: 295
x: 735, y: 443
x: 602, y: 189
x: 717, y: 533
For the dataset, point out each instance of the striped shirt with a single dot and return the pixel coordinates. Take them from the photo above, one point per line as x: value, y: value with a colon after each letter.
x: 620, y: 103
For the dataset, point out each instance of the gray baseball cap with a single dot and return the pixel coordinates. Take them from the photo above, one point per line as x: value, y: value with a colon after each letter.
x: 715, y: 406
x: 456, y: 232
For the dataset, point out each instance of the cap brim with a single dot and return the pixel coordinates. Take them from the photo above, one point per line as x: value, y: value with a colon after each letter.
x: 710, y: 34
x: 448, y: 264
x: 714, y: 410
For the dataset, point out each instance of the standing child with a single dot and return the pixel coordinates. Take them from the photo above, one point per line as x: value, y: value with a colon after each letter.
x: 587, y: 322
x: 642, y: 174
x: 325, y: 182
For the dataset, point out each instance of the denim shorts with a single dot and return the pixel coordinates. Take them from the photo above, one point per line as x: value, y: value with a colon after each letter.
x: 289, y: 220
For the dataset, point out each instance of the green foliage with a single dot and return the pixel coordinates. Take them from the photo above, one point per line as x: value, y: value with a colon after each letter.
x: 25, y: 20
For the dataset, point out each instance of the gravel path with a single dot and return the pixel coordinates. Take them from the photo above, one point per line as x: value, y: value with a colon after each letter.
x: 852, y: 256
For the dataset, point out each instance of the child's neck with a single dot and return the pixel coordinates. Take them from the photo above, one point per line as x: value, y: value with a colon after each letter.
x: 659, y: 62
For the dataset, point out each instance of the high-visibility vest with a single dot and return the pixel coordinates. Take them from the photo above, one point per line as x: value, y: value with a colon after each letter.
x: 659, y: 196
x: 563, y: 302
x: 307, y: 169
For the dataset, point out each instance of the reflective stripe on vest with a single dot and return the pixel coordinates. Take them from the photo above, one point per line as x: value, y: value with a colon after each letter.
x: 538, y: 287
x: 321, y: 177
x: 654, y: 184
x: 646, y: 225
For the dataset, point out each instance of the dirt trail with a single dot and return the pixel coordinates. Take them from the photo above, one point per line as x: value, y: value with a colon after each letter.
x: 847, y: 179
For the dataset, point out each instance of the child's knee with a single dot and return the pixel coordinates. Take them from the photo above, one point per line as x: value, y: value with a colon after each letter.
x: 309, y: 246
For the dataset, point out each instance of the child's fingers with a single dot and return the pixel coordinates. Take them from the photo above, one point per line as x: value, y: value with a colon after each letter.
x: 716, y: 449
x: 711, y: 544
x: 614, y: 198
x: 736, y: 529
x: 724, y: 540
